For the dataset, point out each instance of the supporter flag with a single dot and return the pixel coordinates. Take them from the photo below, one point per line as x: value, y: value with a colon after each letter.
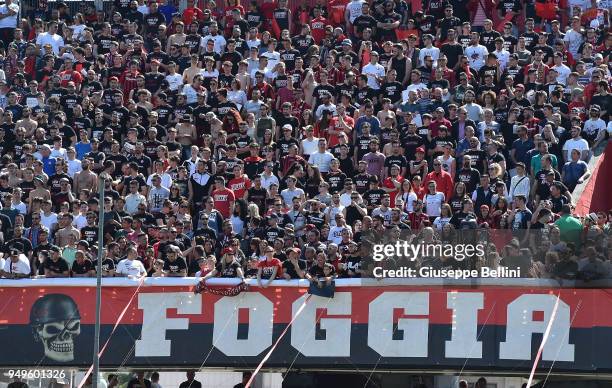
x: 201, y: 287
x: 326, y: 290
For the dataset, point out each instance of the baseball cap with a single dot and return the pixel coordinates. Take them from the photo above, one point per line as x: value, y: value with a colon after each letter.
x: 229, y: 250
x: 420, y: 149
x: 296, y: 250
x: 17, y: 247
x: 347, y: 42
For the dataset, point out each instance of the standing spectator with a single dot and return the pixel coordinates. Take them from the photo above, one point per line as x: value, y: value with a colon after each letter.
x: 191, y: 382
x: 8, y: 21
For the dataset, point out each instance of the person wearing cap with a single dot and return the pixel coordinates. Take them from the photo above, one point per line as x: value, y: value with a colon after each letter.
x: 268, y: 269
x: 17, y: 266
x: 227, y: 267
x: 56, y: 266
x: 294, y: 267
x: 594, y: 129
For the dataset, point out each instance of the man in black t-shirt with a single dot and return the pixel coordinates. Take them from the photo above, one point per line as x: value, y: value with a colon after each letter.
x: 294, y: 267
x: 82, y: 266
x: 56, y: 266
x: 175, y: 265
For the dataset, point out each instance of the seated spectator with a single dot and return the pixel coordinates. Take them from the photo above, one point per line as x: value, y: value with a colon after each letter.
x: 17, y: 265
x: 131, y: 267
x: 228, y: 267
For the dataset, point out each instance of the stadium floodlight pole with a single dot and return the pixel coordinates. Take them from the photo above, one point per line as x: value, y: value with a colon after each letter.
x: 96, y: 351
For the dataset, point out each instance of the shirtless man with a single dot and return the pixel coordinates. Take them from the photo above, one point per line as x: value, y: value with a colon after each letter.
x: 178, y: 37
x: 13, y: 175
x: 27, y: 122
x: 186, y: 132
x: 192, y: 70
x: 86, y: 179
x: 40, y: 191
x: 66, y: 231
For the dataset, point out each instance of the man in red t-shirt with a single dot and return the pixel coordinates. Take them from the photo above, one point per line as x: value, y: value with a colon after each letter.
x: 240, y: 183
x: 317, y: 25
x: 69, y: 74
x: 224, y: 198
x: 444, y: 181
x: 271, y: 268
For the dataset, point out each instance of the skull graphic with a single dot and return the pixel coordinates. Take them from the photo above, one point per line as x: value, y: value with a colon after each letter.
x: 56, y: 321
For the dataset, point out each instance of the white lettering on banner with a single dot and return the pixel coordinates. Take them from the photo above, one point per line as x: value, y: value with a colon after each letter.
x: 520, y: 326
x: 153, y: 342
x: 464, y: 333
x: 413, y: 342
x: 415, y: 334
x: 225, y: 333
x: 337, y: 342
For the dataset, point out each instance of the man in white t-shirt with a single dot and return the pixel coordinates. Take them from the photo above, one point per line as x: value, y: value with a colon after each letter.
x: 475, y: 52
x: 8, y: 21
x: 352, y: 11
x: 415, y: 86
x: 130, y: 266
x: 322, y: 158
x: 429, y: 50
x: 213, y: 34
x: 375, y: 71
x: 576, y: 142
x: 563, y: 71
x: 17, y: 265
x: 594, y: 127
x: 50, y: 37
x: 574, y: 38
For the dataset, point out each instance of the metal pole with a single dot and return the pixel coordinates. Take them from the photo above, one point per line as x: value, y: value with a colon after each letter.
x: 96, y: 352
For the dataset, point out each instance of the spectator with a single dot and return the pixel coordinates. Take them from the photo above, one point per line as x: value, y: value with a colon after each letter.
x: 139, y: 380
x: 228, y: 267
x: 154, y: 375
x: 130, y: 266
x: 191, y: 382
x: 17, y: 266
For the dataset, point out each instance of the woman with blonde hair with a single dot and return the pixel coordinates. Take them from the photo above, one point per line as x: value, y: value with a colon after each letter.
x: 496, y: 174
x: 228, y: 267
x: 253, y: 211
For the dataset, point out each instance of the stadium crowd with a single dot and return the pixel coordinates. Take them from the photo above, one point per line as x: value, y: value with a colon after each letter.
x: 269, y: 141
